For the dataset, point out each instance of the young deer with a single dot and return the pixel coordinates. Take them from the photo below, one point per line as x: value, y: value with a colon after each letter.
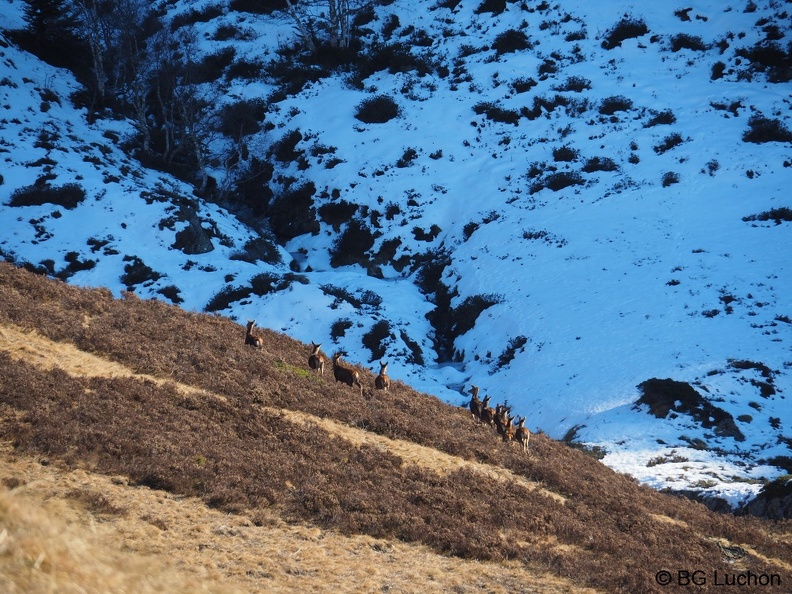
x: 522, y: 435
x: 487, y: 412
x: 316, y: 359
x: 250, y: 338
x: 475, y: 404
x: 382, y: 381
x: 346, y: 375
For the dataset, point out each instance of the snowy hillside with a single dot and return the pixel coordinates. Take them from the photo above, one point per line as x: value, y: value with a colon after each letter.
x: 573, y: 199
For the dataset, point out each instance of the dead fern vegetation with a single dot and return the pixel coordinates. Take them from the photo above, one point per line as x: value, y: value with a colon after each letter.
x: 138, y: 437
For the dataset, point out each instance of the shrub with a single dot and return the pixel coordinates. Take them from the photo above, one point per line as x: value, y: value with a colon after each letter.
x: 377, y: 110
x: 684, y: 41
x: 557, y: 181
x: 192, y: 16
x: 137, y: 272
x: 212, y: 66
x: 494, y: 6
x: 352, y: 245
x: 337, y: 213
x: 284, y: 150
x: 508, y: 355
x: 670, y: 178
x: 778, y: 215
x: 522, y: 85
x: 339, y: 327
x: 600, y: 164
x: 242, y: 118
x: 496, y: 113
x: 374, y: 339
x: 256, y: 6
x: 668, y: 143
x: 245, y: 69
x: 511, y: 41
x: 292, y: 213
x: 627, y: 28
x: 407, y: 158
x: 611, y: 105
x: 565, y: 153
x: 665, y: 117
x: 769, y: 57
x: 575, y: 84
x: 762, y: 129
x: 259, y: 249
x: 68, y: 195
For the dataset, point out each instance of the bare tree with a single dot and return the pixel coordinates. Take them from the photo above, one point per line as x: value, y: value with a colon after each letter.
x: 325, y: 21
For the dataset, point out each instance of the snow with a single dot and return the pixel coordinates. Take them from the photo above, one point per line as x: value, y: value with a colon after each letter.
x: 608, y: 282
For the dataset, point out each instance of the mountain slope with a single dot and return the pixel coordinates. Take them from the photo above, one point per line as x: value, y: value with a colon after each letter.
x: 574, y: 200
x: 184, y: 406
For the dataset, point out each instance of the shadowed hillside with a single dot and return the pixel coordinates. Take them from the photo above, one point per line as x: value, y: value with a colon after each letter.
x: 175, y: 402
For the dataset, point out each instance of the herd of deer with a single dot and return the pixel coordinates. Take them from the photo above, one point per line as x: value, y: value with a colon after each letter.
x: 499, y: 417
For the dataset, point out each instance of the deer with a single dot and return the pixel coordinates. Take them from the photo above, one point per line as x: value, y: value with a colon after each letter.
x: 508, y: 429
x: 502, y: 419
x: 522, y: 435
x: 487, y: 412
x: 382, y: 381
x: 252, y: 339
x: 316, y: 359
x: 475, y: 404
x: 344, y: 374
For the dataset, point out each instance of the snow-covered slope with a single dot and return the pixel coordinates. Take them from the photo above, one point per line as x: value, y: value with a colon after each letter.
x: 562, y: 301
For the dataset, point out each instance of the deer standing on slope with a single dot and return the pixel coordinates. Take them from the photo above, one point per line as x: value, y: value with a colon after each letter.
x: 475, y: 403
x: 316, y: 359
x: 522, y: 435
x: 347, y: 375
x: 252, y: 339
x: 382, y: 381
x: 487, y: 412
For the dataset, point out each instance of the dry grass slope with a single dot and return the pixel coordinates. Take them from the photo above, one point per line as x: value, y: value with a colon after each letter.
x: 324, y: 485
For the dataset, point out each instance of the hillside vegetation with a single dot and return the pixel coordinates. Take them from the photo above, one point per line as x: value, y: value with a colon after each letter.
x: 142, y: 407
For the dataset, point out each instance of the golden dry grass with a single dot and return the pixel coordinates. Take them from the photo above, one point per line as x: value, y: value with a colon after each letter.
x: 54, y: 541
x: 75, y: 531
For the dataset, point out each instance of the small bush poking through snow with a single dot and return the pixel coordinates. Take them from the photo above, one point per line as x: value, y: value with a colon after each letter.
x: 377, y: 110
x: 497, y: 113
x: 600, y: 164
x: 565, y: 153
x: 626, y: 28
x: 684, y: 41
x: 511, y: 41
x: 668, y: 143
x: 670, y: 178
x: 575, y: 84
x: 611, y: 105
x: 68, y: 195
x: 665, y: 117
x: 762, y: 129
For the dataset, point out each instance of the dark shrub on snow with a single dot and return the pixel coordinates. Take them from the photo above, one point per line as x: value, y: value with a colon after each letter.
x: 377, y: 110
